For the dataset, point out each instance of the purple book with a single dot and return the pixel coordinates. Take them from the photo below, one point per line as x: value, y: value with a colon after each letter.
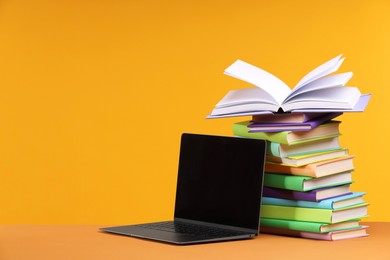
x: 313, y: 195
x: 279, y: 127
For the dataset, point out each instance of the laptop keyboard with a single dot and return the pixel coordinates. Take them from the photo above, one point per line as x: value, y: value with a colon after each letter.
x: 191, y: 229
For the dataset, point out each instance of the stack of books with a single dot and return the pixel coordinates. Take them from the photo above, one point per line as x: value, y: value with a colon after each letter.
x: 307, y: 184
x: 308, y: 174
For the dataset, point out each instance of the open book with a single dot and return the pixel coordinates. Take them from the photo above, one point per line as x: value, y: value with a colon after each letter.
x: 317, y: 91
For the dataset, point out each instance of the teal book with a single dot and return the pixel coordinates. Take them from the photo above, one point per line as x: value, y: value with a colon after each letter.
x: 340, y: 202
x: 305, y: 183
x: 308, y: 226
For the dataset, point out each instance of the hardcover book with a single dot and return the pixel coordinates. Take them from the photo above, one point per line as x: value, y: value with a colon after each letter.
x: 316, y: 146
x: 316, y: 170
x: 312, y: 195
x: 303, y: 159
x: 332, y: 203
x: 306, y: 226
x: 323, y: 131
x: 304, y: 183
x: 294, y: 117
x: 334, y: 235
x: 278, y: 127
x: 314, y: 215
x: 317, y: 91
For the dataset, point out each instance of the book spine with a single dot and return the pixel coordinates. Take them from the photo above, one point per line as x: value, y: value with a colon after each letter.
x: 285, y: 181
x: 296, y: 213
x: 273, y: 149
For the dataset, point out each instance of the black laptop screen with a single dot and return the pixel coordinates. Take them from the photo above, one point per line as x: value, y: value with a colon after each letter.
x: 220, y: 180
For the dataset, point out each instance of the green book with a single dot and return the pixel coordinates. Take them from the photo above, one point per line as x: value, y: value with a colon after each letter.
x: 305, y: 183
x: 323, y: 131
x: 314, y: 215
x: 309, y: 226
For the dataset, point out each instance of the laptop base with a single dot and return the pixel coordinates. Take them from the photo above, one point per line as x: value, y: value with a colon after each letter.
x: 171, y: 237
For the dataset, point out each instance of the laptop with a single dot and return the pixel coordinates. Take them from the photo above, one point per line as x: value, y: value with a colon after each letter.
x: 218, y: 193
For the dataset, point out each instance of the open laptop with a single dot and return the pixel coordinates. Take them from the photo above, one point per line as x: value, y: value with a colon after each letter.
x: 218, y: 193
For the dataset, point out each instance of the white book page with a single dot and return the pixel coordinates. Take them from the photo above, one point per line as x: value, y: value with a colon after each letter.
x: 251, y: 113
x: 260, y: 78
x: 322, y: 70
x: 360, y: 106
x: 246, y: 96
x: 337, y: 97
x: 329, y: 81
x: 243, y: 108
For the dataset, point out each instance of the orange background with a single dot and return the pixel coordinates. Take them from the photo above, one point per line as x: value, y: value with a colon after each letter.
x: 95, y: 94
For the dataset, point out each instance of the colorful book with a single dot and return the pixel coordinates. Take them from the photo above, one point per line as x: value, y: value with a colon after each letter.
x: 316, y: 170
x: 312, y: 195
x: 331, y: 236
x: 304, y: 183
x: 306, y: 226
x: 339, y: 202
x: 303, y: 159
x: 323, y: 131
x: 317, y: 91
x: 284, y: 150
x: 314, y: 215
x: 278, y: 127
x: 294, y: 117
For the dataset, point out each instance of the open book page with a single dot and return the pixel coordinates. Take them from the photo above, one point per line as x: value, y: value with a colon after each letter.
x: 322, y: 70
x: 319, y: 91
x: 329, y: 81
x: 360, y: 106
x: 244, y: 100
x: 239, y: 114
x: 260, y: 78
x: 246, y: 96
x: 337, y: 97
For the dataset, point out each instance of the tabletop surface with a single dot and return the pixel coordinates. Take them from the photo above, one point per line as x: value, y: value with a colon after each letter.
x: 87, y: 242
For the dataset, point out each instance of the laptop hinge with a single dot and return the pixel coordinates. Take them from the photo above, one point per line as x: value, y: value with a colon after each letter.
x: 209, y: 224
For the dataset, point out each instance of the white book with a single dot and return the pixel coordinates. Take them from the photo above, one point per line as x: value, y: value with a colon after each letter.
x: 317, y: 91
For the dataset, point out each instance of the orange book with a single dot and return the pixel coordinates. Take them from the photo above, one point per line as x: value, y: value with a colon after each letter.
x: 315, y: 170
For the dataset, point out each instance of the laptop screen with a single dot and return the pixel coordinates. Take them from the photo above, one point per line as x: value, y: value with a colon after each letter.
x: 220, y: 180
